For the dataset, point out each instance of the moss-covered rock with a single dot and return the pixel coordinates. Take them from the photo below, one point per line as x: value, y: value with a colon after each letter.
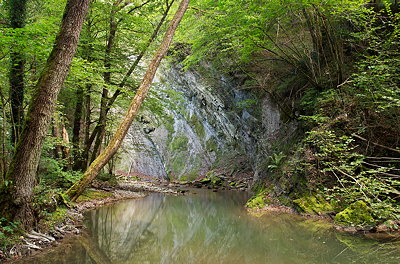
x: 179, y: 143
x: 357, y: 214
x: 215, y: 180
x: 205, y: 180
x: 211, y: 145
x: 258, y: 201
x: 91, y: 194
x: 314, y: 204
x: 197, y: 126
x: 177, y: 163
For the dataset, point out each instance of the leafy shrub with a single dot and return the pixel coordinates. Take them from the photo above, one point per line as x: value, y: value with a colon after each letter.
x: 8, y: 230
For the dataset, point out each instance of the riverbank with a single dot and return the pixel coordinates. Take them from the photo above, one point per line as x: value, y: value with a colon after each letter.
x: 380, y: 233
x: 67, y: 222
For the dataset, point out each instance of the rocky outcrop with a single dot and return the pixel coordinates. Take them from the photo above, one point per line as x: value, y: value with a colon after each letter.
x: 197, y: 121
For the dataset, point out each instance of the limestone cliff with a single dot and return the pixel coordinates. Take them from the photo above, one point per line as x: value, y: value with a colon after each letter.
x: 195, y: 121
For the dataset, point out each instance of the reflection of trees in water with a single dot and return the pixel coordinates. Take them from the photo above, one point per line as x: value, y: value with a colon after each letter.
x: 210, y: 228
x: 118, y: 228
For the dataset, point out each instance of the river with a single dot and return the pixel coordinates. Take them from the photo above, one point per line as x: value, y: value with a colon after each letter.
x: 210, y: 227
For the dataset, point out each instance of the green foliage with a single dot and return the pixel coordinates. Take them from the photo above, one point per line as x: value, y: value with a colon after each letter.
x: 367, y: 104
x: 52, y: 219
x: 8, y: 232
x: 54, y: 173
x: 355, y: 181
x: 211, y: 145
x: 248, y: 103
x: 276, y: 160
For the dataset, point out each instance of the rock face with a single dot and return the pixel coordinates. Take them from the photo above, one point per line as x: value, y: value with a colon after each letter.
x: 194, y: 122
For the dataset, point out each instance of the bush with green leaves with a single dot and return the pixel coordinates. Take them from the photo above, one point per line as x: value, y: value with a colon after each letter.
x: 8, y: 229
x: 347, y: 177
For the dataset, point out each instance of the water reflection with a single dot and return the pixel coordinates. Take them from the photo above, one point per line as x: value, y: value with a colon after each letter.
x: 211, y: 228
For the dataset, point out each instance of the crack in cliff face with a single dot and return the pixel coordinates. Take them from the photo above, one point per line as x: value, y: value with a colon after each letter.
x: 201, y: 121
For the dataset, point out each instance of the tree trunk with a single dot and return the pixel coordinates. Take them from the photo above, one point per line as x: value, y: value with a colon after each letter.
x: 94, y: 168
x: 82, y: 108
x: 66, y: 150
x: 17, y: 86
x: 57, y: 134
x: 23, y: 167
x: 86, y: 149
x: 76, y: 132
x: 107, y: 80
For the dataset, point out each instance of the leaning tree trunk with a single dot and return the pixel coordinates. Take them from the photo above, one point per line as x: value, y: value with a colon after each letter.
x: 94, y: 168
x: 22, y: 171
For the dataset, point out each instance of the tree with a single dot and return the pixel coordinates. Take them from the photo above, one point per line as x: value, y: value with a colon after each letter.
x: 95, y: 167
x: 17, y: 193
x: 17, y: 86
x: 107, y: 101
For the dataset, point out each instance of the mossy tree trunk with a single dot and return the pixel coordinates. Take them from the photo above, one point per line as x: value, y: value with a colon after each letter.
x: 21, y: 175
x: 95, y: 167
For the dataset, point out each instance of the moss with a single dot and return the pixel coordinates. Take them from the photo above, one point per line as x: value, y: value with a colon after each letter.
x: 53, y: 219
x: 211, y: 145
x: 205, y: 180
x: 168, y: 124
x: 315, y: 204
x: 357, y: 214
x: 189, y: 177
x: 177, y: 163
x: 90, y: 194
x: 259, y: 201
x: 214, y: 179
x: 197, y: 126
x: 184, y: 178
x: 179, y: 143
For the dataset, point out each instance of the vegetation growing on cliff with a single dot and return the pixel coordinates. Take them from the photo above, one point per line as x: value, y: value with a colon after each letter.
x: 333, y: 67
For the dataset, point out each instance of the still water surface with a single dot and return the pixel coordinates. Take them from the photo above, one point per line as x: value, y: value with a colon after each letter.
x: 210, y: 227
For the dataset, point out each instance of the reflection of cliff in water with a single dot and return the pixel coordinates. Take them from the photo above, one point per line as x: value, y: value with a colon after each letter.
x: 117, y: 229
x: 210, y: 228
